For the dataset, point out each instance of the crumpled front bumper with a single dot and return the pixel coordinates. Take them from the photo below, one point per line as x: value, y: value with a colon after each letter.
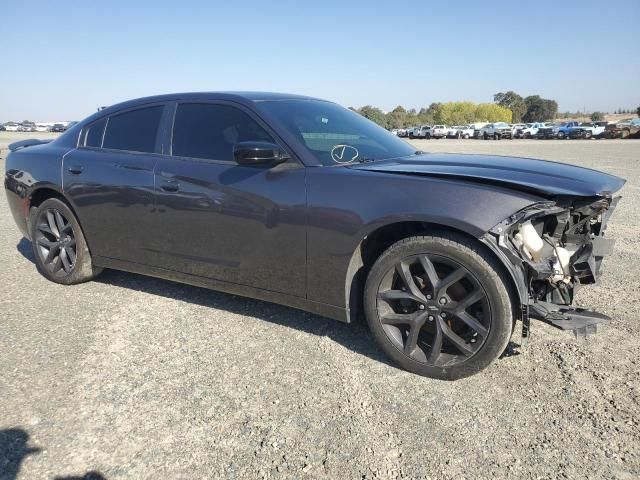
x: 585, y: 268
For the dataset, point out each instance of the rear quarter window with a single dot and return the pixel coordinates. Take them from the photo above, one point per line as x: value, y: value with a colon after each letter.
x: 94, y: 133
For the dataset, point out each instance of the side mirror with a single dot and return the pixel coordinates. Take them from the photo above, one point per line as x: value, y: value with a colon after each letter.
x: 259, y: 153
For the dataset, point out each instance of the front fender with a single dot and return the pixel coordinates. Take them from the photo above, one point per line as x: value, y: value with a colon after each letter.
x: 346, y: 205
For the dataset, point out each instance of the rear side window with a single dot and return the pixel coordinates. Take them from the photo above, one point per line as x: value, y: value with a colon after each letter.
x: 210, y: 131
x: 94, y: 133
x: 134, y: 131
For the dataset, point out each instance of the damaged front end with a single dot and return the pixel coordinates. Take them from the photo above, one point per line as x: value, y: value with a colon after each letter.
x: 550, y: 249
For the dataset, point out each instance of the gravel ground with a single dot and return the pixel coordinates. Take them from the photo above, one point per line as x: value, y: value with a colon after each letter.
x: 134, y: 377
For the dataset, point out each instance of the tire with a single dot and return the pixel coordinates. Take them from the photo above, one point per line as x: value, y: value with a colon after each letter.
x: 466, y: 136
x: 587, y: 135
x: 463, y: 351
x: 486, y: 137
x: 496, y: 136
x: 56, y: 235
x: 625, y: 133
x: 560, y: 136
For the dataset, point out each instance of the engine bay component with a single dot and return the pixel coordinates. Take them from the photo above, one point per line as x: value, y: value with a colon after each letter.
x: 556, y: 247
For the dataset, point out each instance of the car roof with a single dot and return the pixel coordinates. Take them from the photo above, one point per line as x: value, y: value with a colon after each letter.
x: 242, y: 97
x: 239, y: 97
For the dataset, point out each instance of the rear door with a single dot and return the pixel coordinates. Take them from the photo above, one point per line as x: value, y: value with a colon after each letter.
x: 109, y: 180
x: 221, y: 220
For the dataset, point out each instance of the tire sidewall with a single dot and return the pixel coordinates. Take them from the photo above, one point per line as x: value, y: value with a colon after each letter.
x: 489, y: 278
x: 83, y: 269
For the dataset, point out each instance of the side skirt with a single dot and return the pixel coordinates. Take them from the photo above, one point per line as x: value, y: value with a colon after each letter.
x: 325, y: 310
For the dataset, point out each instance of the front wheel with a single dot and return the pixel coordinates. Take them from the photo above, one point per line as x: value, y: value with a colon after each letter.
x: 439, y: 306
x: 59, y: 246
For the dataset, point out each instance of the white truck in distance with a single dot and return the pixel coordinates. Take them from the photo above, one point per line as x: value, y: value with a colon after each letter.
x: 497, y: 131
x: 531, y: 130
x: 439, y: 131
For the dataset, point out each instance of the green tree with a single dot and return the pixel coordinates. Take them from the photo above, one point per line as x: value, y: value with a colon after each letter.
x: 490, y: 112
x: 374, y: 114
x: 397, y: 118
x: 597, y: 116
x: 513, y: 102
x: 457, y: 113
x: 539, y: 109
x: 412, y: 118
x: 638, y: 111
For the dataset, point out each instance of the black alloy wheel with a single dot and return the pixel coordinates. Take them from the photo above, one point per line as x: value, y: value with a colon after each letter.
x: 59, y: 245
x: 56, y: 242
x: 439, y: 305
x: 433, y: 310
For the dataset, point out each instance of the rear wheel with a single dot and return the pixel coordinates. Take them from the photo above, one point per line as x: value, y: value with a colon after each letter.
x: 439, y: 306
x: 59, y: 246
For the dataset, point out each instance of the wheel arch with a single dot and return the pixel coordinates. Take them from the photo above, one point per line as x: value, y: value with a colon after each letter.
x: 39, y: 195
x: 377, y: 241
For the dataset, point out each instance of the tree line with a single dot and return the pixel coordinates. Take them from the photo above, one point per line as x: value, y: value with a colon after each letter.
x: 507, y: 107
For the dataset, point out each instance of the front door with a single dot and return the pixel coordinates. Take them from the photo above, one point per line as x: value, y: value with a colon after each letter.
x: 221, y: 220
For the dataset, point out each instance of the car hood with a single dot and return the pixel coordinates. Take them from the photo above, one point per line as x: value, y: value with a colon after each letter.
x: 526, y: 174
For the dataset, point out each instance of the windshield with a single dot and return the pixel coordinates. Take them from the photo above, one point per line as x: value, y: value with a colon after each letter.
x: 335, y: 135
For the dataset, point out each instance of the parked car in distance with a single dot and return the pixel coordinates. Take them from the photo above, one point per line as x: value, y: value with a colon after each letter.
x: 452, y: 132
x: 496, y: 131
x: 588, y: 130
x: 546, y: 132
x: 278, y: 197
x: 629, y: 128
x: 40, y: 127
x: 402, y: 132
x: 517, y: 127
x: 465, y: 131
x: 423, y: 131
x: 12, y: 127
x: 57, y: 128
x: 562, y: 131
x: 439, y: 131
x: 27, y: 127
x: 530, y: 130
x: 411, y: 131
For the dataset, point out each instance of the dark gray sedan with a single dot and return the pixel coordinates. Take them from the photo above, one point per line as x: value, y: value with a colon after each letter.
x: 302, y: 202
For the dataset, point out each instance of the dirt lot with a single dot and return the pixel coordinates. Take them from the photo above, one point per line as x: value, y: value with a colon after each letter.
x: 133, y: 377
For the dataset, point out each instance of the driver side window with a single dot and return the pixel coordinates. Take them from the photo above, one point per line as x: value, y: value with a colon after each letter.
x: 210, y: 131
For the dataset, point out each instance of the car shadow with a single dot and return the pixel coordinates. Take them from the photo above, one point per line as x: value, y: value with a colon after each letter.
x: 14, y: 450
x: 354, y: 336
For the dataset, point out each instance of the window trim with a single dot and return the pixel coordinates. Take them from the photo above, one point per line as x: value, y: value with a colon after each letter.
x: 159, y: 141
x: 85, y: 132
x: 293, y: 158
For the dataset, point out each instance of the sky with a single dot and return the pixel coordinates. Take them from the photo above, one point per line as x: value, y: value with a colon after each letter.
x: 61, y: 60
